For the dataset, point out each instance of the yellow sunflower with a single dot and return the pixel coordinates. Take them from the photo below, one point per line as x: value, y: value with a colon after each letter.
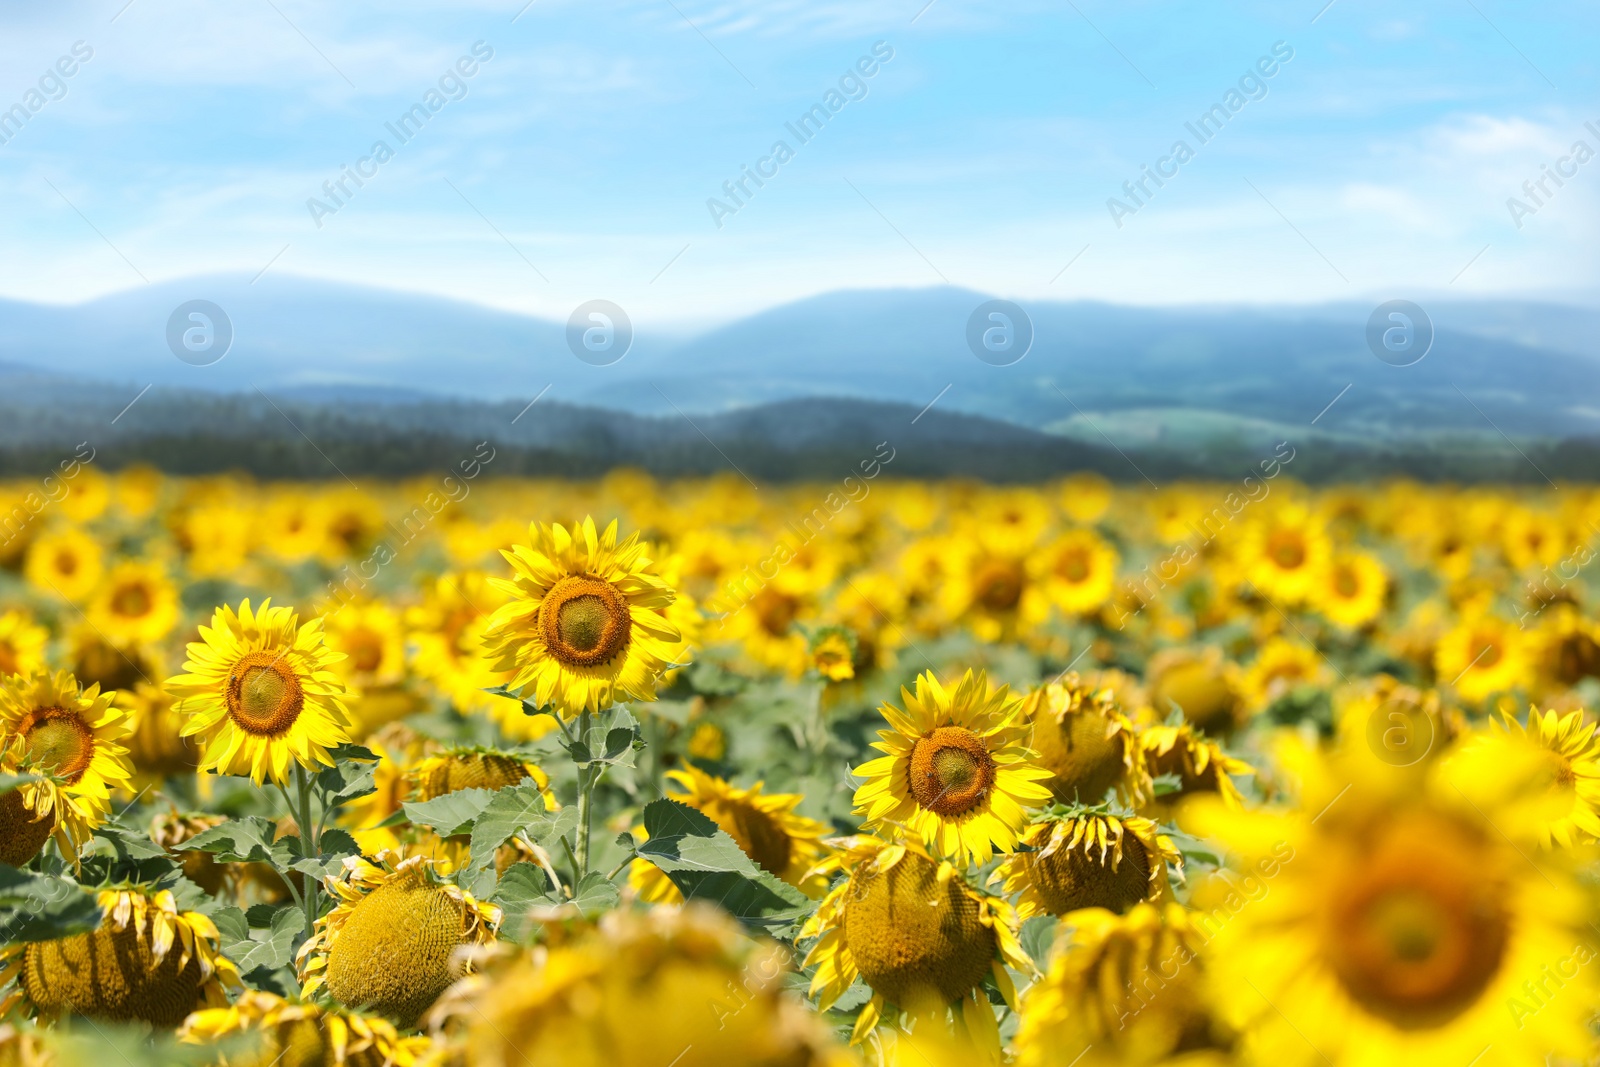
x: 764, y: 825
x: 1086, y: 743
x: 1393, y: 923
x: 1566, y: 811
x: 304, y: 1034
x: 833, y: 654
x: 446, y: 642
x: 1079, y: 571
x: 1279, y: 667
x: 72, y: 738
x: 387, y: 946
x: 1089, y: 861
x: 475, y: 768
x: 1481, y: 655
x: 1199, y: 764
x: 957, y: 773
x: 1286, y: 552
x: 915, y: 932
x: 260, y: 692
x: 585, y: 626
x: 137, y: 604
x: 147, y: 961
x: 1122, y: 990
x: 1352, y: 590
x: 67, y: 561
x: 1568, y: 646
x: 1207, y: 688
x: 22, y: 643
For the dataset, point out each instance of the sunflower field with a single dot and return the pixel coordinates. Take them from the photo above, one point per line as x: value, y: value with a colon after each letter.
x: 489, y: 771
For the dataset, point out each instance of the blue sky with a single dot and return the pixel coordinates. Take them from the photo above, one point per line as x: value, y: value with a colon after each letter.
x: 580, y: 159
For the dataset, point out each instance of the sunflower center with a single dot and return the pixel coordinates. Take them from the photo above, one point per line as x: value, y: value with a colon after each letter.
x: 585, y: 621
x: 1073, y: 566
x: 999, y: 585
x: 263, y: 694
x: 1345, y: 583
x: 66, y: 563
x: 1488, y: 653
x: 8, y: 658
x: 131, y: 600
x: 366, y: 651
x: 1287, y: 550
x: 775, y: 612
x: 1421, y: 933
x: 951, y: 771
x: 60, y: 743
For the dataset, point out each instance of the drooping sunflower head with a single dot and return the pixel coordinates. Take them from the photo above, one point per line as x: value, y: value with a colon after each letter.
x: 957, y: 773
x: 1200, y: 765
x: 1086, y: 742
x: 1385, y: 919
x: 1121, y: 990
x: 146, y: 961
x: 260, y: 693
x: 137, y: 604
x: 585, y: 625
x: 1207, y: 688
x: 294, y: 1033
x: 171, y: 829
x: 914, y: 931
x: 625, y: 991
x: 389, y: 945
x: 1089, y: 860
x: 474, y: 768
x: 765, y: 826
x: 73, y: 739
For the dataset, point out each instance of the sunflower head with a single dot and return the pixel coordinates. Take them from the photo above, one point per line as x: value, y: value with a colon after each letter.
x: 833, y: 654
x: 388, y: 945
x: 913, y: 930
x: 137, y: 604
x: 1121, y: 989
x: 474, y: 768
x: 1200, y: 766
x: 1089, y: 860
x: 293, y: 1033
x: 155, y: 746
x: 72, y: 739
x: 171, y: 829
x: 259, y: 693
x: 1085, y: 742
x: 1201, y: 683
x: 22, y: 644
x: 625, y: 991
x: 956, y: 772
x: 146, y: 961
x: 585, y: 624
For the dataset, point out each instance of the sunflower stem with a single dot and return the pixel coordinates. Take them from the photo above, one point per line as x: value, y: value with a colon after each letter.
x: 308, y: 840
x: 588, y: 778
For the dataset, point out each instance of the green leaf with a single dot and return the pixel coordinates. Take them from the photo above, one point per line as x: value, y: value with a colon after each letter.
x: 351, y: 774
x: 245, y: 840
x: 39, y: 907
x: 594, y: 895
x: 335, y: 846
x: 126, y: 844
x: 613, y: 734
x: 273, y: 948
x: 522, y: 888
x: 8, y: 782
x: 706, y: 864
x: 1037, y: 935
x: 516, y: 807
x: 453, y: 813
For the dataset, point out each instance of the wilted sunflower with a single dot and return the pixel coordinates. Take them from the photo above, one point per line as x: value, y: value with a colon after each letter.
x: 913, y: 930
x: 1121, y: 990
x: 137, y: 604
x: 764, y: 825
x: 1200, y: 765
x: 1089, y: 860
x: 260, y: 692
x: 958, y: 773
x: 147, y: 960
x: 1395, y: 924
x: 474, y: 768
x: 22, y: 643
x: 1086, y: 742
x: 292, y: 1033
x: 72, y: 739
x: 170, y: 829
x: 679, y: 986
x: 387, y: 946
x: 585, y: 626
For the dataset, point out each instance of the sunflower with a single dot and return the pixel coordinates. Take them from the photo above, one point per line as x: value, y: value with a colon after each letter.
x: 1567, y: 808
x: 585, y: 625
x: 1086, y: 496
x: 293, y: 529
x: 147, y: 961
x: 475, y: 767
x: 679, y: 986
x: 170, y: 829
x: 371, y: 638
x: 1200, y: 766
x: 765, y: 826
x: 1352, y: 590
x: 304, y: 1034
x: 1205, y: 687
x: 22, y: 643
x: 138, y: 491
x: 995, y: 594
x: 1394, y: 924
x: 110, y: 666
x: 137, y: 604
x: 833, y: 654
x: 1086, y: 743
x: 260, y: 692
x: 1281, y: 666
x: 1089, y: 860
x: 1569, y: 646
x: 446, y: 639
x: 1079, y: 571
x: 67, y: 561
x: 72, y: 738
x: 1480, y: 656
x: 387, y: 945
x: 915, y: 932
x: 155, y: 747
x: 957, y: 774
x: 1121, y: 990
x: 1285, y: 553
